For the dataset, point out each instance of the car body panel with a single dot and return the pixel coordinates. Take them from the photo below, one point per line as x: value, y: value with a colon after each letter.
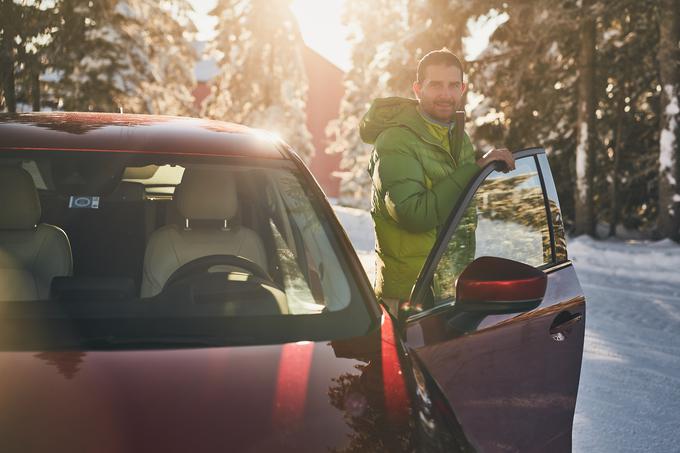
x: 511, y: 380
x: 133, y: 133
x: 293, y: 397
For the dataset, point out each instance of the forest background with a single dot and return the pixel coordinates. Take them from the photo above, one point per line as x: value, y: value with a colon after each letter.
x: 595, y: 82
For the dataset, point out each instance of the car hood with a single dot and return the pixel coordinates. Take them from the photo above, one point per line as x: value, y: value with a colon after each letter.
x: 294, y: 397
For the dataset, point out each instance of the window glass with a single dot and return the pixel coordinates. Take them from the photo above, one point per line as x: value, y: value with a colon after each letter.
x: 555, y: 210
x: 506, y: 218
x: 228, y: 239
x: 309, y: 264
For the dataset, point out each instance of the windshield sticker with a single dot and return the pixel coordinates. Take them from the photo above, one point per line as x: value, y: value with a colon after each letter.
x: 83, y: 202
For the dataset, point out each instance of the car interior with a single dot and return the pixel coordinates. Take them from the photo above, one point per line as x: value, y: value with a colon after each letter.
x: 103, y: 227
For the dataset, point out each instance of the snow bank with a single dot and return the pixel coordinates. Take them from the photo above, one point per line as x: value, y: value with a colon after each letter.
x: 359, y: 227
x: 653, y: 262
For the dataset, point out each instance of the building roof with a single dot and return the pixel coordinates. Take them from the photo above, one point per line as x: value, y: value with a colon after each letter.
x: 78, y: 131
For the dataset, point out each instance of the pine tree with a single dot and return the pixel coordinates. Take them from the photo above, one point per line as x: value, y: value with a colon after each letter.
x: 25, y: 36
x: 374, y: 50
x: 9, y: 15
x: 101, y: 64
x: 432, y: 25
x: 262, y: 81
x: 529, y: 77
x: 129, y: 55
x: 628, y: 95
x: 167, y: 33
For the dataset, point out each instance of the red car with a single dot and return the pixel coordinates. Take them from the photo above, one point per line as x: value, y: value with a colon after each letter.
x: 173, y: 285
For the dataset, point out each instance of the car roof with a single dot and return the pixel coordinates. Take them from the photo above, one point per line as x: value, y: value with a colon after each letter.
x: 85, y: 131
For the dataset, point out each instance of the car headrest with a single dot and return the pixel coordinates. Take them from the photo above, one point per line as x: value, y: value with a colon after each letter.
x: 20, y: 205
x: 206, y: 194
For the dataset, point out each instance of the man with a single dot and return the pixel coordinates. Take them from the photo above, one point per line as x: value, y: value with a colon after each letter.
x: 418, y: 173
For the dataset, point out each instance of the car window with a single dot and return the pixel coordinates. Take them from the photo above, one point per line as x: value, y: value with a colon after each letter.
x: 119, y: 236
x: 309, y: 264
x: 505, y: 218
x: 555, y: 210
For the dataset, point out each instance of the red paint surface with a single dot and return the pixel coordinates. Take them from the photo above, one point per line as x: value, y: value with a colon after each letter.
x: 396, y: 398
x: 508, y: 382
x: 205, y: 399
x: 499, y: 279
x: 526, y: 289
x: 100, y: 150
x: 291, y: 384
x: 132, y: 133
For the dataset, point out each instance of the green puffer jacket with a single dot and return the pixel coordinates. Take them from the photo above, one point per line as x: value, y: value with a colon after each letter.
x: 416, y: 183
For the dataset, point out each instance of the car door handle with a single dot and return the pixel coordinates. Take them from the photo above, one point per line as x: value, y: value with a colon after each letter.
x: 564, y: 321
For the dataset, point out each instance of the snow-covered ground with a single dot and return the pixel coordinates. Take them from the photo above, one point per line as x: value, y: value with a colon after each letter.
x: 629, y: 395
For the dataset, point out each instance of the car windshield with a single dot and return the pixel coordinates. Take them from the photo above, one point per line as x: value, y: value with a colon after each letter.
x: 120, y: 249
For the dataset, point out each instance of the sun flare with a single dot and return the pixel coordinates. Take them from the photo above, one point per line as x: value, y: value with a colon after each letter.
x: 322, y: 29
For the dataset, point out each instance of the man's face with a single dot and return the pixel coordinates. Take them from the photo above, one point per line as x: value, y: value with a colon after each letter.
x: 441, y: 91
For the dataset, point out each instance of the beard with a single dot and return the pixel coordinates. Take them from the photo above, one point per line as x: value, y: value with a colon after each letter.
x: 440, y: 110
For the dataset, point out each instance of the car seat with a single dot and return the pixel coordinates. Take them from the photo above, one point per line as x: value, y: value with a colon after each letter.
x: 204, y: 195
x: 31, y: 253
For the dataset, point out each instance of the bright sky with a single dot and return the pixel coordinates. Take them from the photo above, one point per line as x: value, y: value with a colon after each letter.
x: 319, y: 24
x: 322, y: 30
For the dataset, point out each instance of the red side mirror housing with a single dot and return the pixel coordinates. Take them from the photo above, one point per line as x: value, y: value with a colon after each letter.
x: 498, y: 285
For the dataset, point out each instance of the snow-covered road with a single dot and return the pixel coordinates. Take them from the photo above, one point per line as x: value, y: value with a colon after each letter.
x: 629, y: 395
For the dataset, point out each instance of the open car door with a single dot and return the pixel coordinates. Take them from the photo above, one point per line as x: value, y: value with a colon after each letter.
x: 497, y: 315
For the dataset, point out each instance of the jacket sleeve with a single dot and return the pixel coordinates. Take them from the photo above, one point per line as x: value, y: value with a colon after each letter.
x: 400, y: 178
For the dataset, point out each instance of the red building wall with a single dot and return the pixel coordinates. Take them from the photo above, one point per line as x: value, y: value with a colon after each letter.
x: 326, y: 90
x: 200, y: 92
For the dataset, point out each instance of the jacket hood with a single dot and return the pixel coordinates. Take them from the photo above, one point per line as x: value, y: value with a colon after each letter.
x: 391, y: 112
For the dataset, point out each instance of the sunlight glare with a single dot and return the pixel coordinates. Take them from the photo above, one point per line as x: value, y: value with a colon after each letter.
x: 481, y: 30
x: 322, y: 30
x: 205, y: 24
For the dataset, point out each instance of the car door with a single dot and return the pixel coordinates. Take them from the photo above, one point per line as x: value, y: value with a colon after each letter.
x: 510, y: 376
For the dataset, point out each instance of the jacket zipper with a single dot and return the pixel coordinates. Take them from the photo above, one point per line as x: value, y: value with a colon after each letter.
x: 436, y: 145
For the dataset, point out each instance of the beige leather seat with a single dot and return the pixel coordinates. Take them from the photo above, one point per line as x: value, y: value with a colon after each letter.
x: 204, y: 194
x: 30, y: 253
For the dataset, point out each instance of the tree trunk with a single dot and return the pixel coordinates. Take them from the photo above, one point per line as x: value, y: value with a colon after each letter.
x: 618, y: 149
x: 35, y: 90
x: 584, y: 220
x: 7, y: 71
x: 668, y: 223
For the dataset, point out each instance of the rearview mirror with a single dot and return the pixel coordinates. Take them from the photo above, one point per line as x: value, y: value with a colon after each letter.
x: 494, y: 285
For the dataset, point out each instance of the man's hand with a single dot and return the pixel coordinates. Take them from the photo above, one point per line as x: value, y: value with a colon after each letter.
x: 503, y: 156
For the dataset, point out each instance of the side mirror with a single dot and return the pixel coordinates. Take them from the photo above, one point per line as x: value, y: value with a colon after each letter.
x: 492, y: 285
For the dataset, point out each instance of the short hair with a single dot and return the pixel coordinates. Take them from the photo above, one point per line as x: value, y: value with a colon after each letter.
x: 442, y: 56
